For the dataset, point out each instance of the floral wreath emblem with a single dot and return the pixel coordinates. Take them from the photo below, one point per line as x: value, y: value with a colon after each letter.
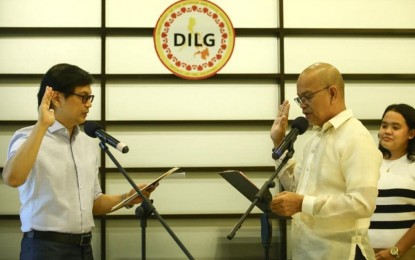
x: 194, y: 39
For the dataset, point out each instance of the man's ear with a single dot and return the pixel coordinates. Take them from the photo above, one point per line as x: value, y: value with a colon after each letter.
x: 55, y: 102
x: 411, y: 134
x: 333, y: 91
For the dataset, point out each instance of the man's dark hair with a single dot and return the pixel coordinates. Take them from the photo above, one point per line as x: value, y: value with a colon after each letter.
x: 408, y: 113
x: 64, y: 78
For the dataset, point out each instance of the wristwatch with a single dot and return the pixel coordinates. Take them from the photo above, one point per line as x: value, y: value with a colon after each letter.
x: 394, y: 251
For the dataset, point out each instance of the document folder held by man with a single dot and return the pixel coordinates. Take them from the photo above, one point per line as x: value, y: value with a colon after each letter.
x: 127, y: 200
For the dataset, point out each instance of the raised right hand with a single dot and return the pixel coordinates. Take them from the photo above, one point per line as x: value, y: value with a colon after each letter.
x: 19, y: 166
x: 280, y: 124
x: 46, y: 115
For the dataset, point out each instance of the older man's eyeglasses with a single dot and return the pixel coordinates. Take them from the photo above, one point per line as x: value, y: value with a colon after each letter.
x: 300, y: 100
x: 85, y: 98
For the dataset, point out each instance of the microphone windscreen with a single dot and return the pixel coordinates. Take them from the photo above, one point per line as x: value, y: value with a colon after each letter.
x: 301, y: 123
x: 90, y: 128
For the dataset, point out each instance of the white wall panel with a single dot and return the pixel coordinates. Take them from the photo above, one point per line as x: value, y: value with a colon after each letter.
x: 11, y: 237
x: 253, y: 55
x: 9, y: 199
x: 189, y: 190
x: 95, y: 110
x: 50, y: 13
x: 148, y: 101
x: 132, y: 55
x: 351, y: 54
x: 20, y: 99
x: 133, y: 13
x: 169, y: 147
x: 6, y: 134
x: 374, y: 130
x: 349, y: 14
x: 194, y: 146
x: 251, y: 14
x: 37, y: 54
x: 370, y: 100
x: 367, y: 100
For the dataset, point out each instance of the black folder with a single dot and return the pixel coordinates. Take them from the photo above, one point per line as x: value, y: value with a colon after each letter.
x: 238, y: 180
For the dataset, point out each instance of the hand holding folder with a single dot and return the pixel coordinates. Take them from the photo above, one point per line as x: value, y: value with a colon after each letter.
x: 152, y: 184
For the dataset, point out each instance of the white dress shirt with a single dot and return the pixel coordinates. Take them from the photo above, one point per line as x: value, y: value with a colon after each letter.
x: 60, y: 190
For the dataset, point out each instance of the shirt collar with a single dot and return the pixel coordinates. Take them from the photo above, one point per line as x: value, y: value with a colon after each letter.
x: 57, y: 126
x: 338, y: 120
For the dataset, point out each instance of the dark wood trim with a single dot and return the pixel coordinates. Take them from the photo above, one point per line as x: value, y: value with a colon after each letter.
x: 49, y: 31
x: 17, y: 123
x: 219, y: 77
x: 102, y: 79
x: 242, y: 32
x: 116, y: 31
x: 190, y: 123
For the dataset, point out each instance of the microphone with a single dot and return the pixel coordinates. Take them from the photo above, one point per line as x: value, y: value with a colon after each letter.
x: 299, y: 126
x: 94, y: 130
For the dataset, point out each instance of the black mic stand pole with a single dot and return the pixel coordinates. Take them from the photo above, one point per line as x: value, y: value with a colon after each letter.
x: 147, y: 208
x: 142, y: 212
x: 266, y: 229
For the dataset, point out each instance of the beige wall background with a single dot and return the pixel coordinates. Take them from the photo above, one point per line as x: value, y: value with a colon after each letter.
x: 204, y: 126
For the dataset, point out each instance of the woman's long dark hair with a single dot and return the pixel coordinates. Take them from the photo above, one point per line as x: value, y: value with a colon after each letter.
x: 408, y: 114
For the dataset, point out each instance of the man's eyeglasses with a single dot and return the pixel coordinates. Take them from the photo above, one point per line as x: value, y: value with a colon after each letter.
x: 300, y: 100
x: 85, y: 98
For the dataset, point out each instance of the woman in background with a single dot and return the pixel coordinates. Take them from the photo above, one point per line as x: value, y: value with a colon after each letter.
x: 392, y: 228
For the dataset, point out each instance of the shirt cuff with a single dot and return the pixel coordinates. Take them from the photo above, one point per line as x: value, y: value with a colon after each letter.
x: 308, y: 205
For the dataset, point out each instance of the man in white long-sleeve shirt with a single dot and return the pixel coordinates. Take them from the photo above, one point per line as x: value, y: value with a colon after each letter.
x: 331, y: 193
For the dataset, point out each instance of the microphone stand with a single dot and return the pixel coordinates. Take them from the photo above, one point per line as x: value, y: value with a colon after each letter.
x: 146, y: 208
x: 266, y: 225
